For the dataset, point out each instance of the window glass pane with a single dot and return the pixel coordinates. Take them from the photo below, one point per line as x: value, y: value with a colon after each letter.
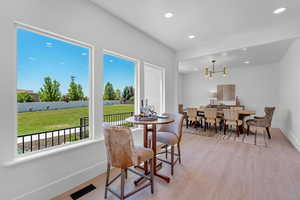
x: 119, y: 89
x: 52, y: 91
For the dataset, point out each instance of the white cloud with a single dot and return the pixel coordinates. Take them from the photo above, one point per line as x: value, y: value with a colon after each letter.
x: 111, y: 61
x: 83, y: 54
x: 49, y: 44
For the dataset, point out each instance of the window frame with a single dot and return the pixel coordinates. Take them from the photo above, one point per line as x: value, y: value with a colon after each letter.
x: 137, y: 77
x: 91, y: 93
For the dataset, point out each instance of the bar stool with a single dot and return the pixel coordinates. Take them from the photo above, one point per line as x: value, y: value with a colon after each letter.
x: 122, y: 154
x: 170, y: 135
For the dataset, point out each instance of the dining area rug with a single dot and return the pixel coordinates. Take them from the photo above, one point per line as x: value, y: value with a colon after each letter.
x: 258, y: 139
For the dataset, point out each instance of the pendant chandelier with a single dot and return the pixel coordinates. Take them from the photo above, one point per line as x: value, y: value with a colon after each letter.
x: 209, y: 73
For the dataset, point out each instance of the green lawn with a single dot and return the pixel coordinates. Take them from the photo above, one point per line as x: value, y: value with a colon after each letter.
x: 32, y: 122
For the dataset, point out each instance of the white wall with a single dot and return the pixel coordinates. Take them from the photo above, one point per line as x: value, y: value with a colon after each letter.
x: 179, y: 88
x: 290, y: 93
x: 256, y: 87
x: 52, y: 172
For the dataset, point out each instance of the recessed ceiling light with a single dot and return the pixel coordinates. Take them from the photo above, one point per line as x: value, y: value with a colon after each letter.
x: 244, y: 49
x: 169, y: 15
x: 279, y: 10
x: 247, y: 62
x: 224, y: 54
x: 191, y: 36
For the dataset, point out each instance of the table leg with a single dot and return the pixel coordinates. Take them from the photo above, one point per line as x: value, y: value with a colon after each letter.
x: 157, y: 166
x: 167, y: 179
x: 146, y: 146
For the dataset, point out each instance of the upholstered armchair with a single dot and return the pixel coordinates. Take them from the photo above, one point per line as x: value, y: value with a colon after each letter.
x: 231, y: 118
x: 264, y: 122
x: 121, y: 153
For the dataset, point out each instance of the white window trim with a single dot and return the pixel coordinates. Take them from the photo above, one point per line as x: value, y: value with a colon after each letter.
x: 91, y: 75
x: 163, y: 85
x: 137, y: 76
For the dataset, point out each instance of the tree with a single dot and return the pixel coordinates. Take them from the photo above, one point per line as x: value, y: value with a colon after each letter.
x: 109, y: 93
x: 131, y: 93
x: 128, y: 93
x: 75, y: 91
x: 24, y: 97
x: 50, y: 90
x: 125, y: 94
x: 65, y: 98
x: 118, y: 94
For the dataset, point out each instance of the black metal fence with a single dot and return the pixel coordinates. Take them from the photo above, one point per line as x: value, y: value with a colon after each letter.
x: 118, y: 119
x: 41, y: 140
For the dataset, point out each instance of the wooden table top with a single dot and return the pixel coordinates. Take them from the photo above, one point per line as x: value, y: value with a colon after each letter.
x: 158, y: 121
x: 242, y: 112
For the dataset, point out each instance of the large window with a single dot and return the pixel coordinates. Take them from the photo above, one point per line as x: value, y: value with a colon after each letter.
x: 52, y: 90
x: 119, y: 93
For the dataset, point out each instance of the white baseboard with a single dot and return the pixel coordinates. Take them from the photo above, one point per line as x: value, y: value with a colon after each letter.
x: 293, y: 139
x: 64, y: 184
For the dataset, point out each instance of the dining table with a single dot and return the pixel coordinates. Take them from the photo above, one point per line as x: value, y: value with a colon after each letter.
x: 242, y: 114
x: 151, y: 126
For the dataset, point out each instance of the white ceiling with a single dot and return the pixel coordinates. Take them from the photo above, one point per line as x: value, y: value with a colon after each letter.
x: 256, y: 55
x: 212, y: 21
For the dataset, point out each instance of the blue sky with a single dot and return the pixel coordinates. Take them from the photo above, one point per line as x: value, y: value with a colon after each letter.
x: 40, y: 56
x: 118, y: 71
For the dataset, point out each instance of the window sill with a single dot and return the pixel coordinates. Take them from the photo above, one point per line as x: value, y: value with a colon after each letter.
x: 55, y: 150
x: 50, y: 151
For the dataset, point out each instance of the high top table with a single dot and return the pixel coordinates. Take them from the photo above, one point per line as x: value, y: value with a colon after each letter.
x: 152, y: 125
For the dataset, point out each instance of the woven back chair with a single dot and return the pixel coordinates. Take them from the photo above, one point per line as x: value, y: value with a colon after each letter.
x: 210, y: 113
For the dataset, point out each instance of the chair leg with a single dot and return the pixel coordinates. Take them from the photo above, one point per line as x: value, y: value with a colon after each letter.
x: 205, y: 125
x: 172, y: 160
x: 268, y: 131
x: 126, y: 173
x: 255, y: 136
x: 248, y: 129
x: 225, y: 126
x: 179, y: 153
x: 122, y: 184
x: 216, y: 127
x: 107, y: 180
x: 237, y: 130
x: 187, y: 123
x: 166, y: 152
x: 152, y: 175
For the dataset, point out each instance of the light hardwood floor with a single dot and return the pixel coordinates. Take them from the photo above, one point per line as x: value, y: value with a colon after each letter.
x: 222, y: 170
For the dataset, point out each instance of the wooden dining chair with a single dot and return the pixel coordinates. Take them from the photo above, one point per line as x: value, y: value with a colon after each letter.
x: 184, y: 113
x: 170, y: 135
x: 231, y: 118
x: 210, y: 117
x: 122, y: 154
x: 192, y: 116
